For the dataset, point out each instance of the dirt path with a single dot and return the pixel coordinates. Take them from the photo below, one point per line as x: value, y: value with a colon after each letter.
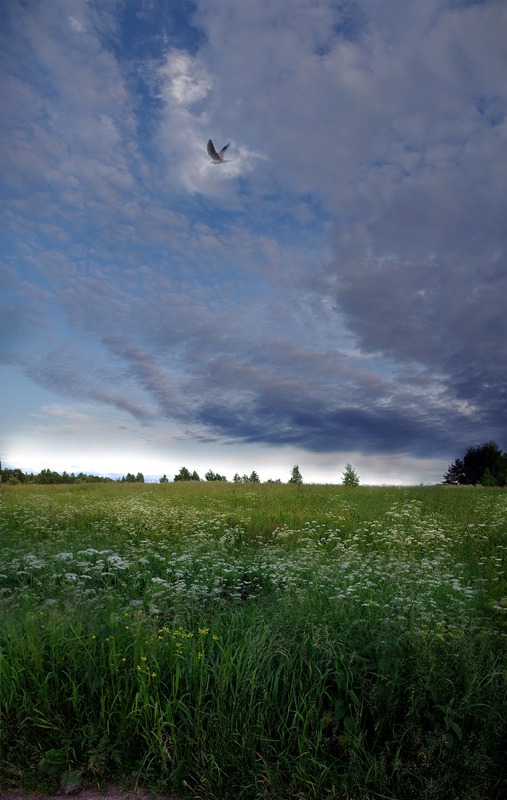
x: 111, y: 793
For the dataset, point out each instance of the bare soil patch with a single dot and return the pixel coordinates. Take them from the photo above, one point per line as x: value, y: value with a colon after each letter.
x: 111, y: 792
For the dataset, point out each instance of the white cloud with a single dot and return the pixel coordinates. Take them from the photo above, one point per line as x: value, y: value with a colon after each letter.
x: 183, y: 80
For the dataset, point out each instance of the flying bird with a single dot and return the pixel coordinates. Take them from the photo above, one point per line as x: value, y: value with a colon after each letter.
x: 217, y: 158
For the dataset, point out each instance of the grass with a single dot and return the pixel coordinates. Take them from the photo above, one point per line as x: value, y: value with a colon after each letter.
x: 253, y: 642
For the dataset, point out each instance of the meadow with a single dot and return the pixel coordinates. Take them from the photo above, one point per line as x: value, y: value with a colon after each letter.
x: 254, y: 642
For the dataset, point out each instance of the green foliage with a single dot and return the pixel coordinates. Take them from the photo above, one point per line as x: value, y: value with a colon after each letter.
x: 185, y: 475
x: 214, y: 476
x: 350, y: 476
x: 456, y: 474
x: 485, y: 465
x: 47, y: 476
x: 296, y: 476
x: 131, y: 478
x: 219, y: 640
x: 13, y: 476
x: 252, y: 478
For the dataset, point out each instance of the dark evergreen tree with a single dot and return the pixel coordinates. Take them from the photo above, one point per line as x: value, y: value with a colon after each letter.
x: 350, y: 476
x: 455, y: 475
x: 485, y: 465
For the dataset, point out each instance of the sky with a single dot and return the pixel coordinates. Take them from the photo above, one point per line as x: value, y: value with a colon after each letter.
x: 333, y: 293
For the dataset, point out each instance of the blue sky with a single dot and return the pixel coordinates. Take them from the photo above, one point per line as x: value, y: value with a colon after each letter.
x: 335, y: 292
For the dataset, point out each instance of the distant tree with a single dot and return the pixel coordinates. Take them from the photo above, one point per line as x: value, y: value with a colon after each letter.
x: 485, y: 465
x: 214, y: 476
x: 48, y: 476
x: 350, y: 476
x: 13, y: 476
x: 252, y: 478
x: 183, y: 475
x: 129, y: 478
x: 296, y: 476
x: 164, y: 479
x: 140, y: 477
x: 237, y: 478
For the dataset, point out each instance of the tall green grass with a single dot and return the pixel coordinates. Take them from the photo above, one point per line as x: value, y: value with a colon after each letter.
x: 270, y: 641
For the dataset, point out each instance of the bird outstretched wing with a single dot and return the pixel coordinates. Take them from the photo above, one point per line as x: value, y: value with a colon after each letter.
x: 216, y: 157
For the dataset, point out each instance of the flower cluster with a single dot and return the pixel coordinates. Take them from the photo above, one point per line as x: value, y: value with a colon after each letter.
x: 400, y: 568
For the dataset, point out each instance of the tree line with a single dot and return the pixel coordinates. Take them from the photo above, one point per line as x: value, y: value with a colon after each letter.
x: 47, y: 476
x: 185, y: 475
x: 349, y: 477
x: 485, y: 465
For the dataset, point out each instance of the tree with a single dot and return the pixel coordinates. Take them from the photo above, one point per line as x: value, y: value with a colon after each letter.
x: 183, y: 475
x: 350, y: 476
x: 455, y: 474
x: 296, y: 476
x: 12, y: 475
x: 164, y: 479
x: 48, y: 476
x: 252, y: 478
x: 214, y: 476
x: 237, y: 478
x: 485, y: 465
x: 128, y: 478
x: 487, y: 478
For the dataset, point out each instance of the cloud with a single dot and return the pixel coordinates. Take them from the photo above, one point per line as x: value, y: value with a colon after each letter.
x: 190, y: 99
x: 337, y: 285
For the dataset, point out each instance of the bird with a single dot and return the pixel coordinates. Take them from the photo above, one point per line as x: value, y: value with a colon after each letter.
x: 217, y: 158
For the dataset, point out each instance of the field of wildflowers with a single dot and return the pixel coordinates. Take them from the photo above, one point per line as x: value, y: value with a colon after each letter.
x: 272, y: 641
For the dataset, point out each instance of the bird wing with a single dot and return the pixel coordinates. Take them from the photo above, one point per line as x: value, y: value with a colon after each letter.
x: 212, y: 152
x: 222, y: 151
